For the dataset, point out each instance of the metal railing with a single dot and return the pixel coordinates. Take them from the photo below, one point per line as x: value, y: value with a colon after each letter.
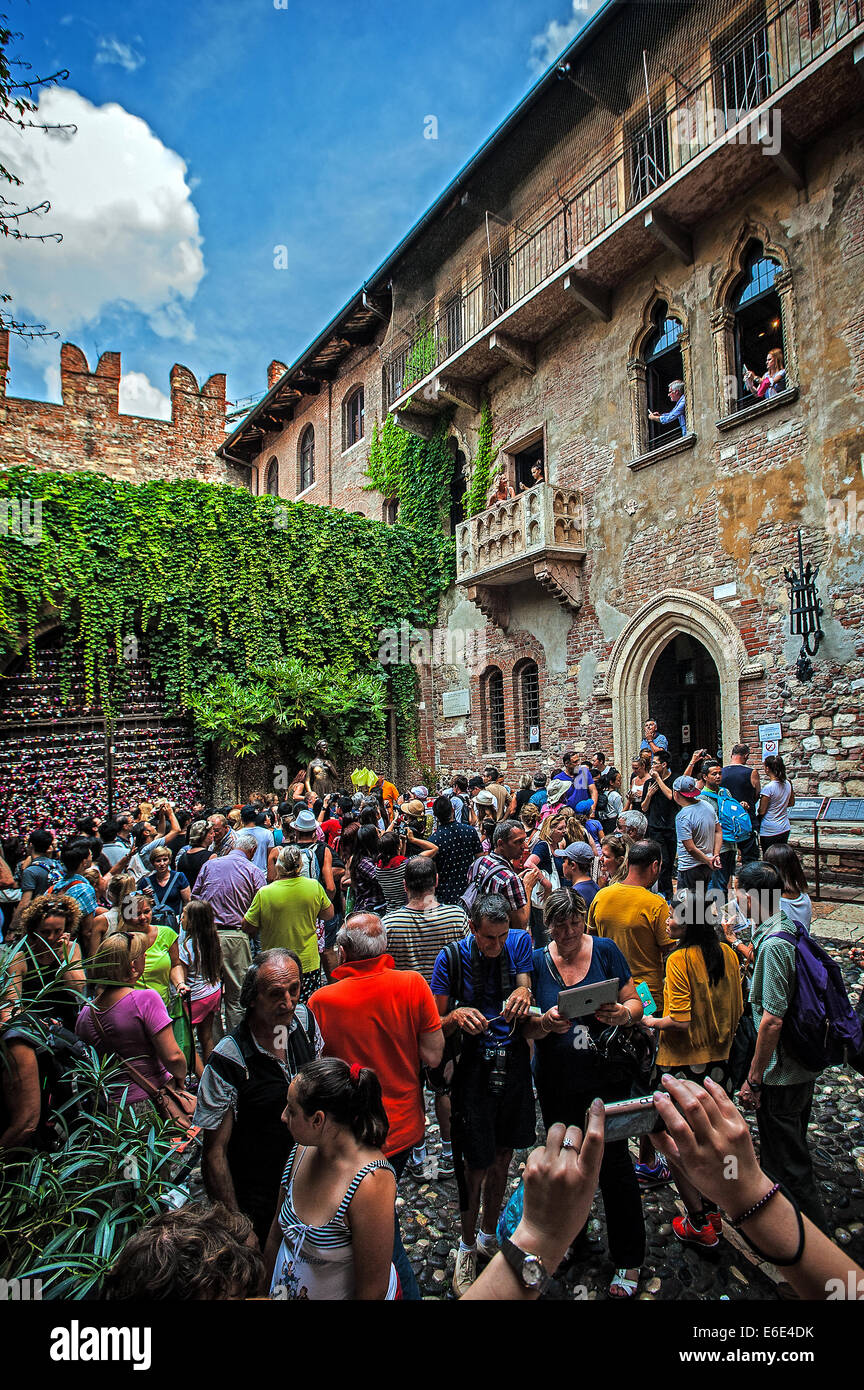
x: 748, y: 72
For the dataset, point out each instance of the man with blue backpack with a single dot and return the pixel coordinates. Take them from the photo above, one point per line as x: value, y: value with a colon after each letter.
x: 804, y: 1023
x: 735, y: 823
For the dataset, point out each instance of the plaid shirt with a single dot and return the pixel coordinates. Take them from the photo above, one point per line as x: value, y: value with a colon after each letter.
x: 503, y: 880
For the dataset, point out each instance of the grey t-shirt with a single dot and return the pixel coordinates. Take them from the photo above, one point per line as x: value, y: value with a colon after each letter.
x: 697, y: 823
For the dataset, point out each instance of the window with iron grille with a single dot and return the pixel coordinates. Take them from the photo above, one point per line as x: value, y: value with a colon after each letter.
x: 493, y: 689
x: 496, y: 283
x: 529, y: 702
x: 742, y: 70
x: 352, y: 418
x: 451, y: 323
x: 649, y: 156
x: 271, y: 485
x: 306, y: 476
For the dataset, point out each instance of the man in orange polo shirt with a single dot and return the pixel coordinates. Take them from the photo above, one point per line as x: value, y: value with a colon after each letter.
x: 385, y: 1019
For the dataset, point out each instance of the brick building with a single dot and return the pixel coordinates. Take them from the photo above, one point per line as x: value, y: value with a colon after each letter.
x: 679, y: 196
x: 87, y: 431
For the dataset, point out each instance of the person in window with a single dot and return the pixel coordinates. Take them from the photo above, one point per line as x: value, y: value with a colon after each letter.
x: 503, y: 491
x: 677, y: 415
x: 536, y: 477
x: 774, y: 380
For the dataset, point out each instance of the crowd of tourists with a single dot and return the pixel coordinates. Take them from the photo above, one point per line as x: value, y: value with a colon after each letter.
x: 622, y: 957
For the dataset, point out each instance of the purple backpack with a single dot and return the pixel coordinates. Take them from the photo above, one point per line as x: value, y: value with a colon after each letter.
x: 820, y: 1029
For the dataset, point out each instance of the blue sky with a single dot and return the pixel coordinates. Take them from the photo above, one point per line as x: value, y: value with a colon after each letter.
x: 209, y: 134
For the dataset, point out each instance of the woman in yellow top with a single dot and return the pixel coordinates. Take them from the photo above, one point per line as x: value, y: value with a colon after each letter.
x: 702, y: 1005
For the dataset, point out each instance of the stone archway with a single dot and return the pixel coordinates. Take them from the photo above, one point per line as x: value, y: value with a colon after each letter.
x: 640, y: 645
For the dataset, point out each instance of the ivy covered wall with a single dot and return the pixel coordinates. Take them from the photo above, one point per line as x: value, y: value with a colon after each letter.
x: 260, y: 615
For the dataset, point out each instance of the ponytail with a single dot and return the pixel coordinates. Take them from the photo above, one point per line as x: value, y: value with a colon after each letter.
x: 350, y: 1095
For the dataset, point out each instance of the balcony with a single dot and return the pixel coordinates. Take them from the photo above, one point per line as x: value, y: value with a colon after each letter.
x: 643, y: 193
x: 539, y: 535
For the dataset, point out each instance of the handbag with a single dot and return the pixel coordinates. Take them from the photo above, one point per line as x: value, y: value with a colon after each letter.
x: 171, y: 1104
x: 631, y: 1051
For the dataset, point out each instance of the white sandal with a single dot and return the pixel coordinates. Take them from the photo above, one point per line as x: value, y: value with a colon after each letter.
x: 627, y: 1286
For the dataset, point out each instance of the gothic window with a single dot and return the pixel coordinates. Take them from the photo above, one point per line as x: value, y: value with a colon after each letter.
x: 271, y: 482
x: 658, y: 369
x: 758, y: 325
x: 664, y: 364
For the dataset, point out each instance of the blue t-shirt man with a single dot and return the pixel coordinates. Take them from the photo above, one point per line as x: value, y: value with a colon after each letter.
x: 481, y: 980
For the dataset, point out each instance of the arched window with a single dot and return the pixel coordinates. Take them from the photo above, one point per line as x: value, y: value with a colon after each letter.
x: 353, y: 413
x: 758, y: 325
x: 306, y: 457
x: 390, y: 511
x: 526, y: 699
x: 492, y: 709
x: 271, y: 483
x: 659, y: 360
x: 664, y: 364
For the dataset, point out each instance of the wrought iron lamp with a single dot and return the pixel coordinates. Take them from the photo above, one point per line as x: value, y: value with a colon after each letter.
x: 805, y: 612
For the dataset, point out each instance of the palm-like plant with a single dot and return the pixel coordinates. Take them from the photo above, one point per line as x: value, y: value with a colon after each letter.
x: 66, y: 1213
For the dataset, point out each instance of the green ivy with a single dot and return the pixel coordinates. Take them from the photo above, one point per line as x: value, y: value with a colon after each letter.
x: 403, y: 689
x: 258, y: 614
x: 417, y: 471
x: 477, y: 497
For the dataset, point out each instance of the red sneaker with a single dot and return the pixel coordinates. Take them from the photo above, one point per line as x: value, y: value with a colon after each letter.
x: 716, y: 1219
x: 704, y: 1236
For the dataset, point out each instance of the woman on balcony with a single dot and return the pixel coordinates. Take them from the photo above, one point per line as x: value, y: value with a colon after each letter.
x: 503, y: 491
x: 536, y: 477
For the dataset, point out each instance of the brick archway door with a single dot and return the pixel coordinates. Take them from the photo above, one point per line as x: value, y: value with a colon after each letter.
x: 642, y: 642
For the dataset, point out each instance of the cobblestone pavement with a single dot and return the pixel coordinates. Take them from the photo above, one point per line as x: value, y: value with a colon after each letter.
x: 429, y: 1215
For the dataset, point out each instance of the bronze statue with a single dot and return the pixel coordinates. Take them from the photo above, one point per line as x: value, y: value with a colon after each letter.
x: 321, y: 775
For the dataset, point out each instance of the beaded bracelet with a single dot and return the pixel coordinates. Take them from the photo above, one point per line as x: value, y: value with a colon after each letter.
x: 757, y: 1206
x: 772, y: 1259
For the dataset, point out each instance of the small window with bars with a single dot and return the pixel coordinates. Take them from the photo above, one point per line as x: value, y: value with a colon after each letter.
x: 493, y: 691
x: 529, y: 703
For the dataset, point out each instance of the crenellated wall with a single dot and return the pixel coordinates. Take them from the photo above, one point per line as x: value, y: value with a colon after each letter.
x: 88, y: 431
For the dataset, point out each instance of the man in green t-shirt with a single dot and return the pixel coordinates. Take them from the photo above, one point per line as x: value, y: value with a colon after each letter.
x: 285, y: 914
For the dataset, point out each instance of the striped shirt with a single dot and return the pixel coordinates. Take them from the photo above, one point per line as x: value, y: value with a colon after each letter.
x: 415, y: 937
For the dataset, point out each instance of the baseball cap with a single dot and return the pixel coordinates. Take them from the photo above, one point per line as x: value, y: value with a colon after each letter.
x: 420, y: 793
x: 579, y: 852
x: 584, y: 808
x: 686, y: 786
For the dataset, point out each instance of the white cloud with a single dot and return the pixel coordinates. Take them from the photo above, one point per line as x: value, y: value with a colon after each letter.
x: 122, y: 202
x: 138, y: 396
x: 546, y: 47
x: 111, y: 50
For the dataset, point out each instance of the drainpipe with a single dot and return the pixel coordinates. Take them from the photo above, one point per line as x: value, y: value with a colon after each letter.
x: 330, y: 443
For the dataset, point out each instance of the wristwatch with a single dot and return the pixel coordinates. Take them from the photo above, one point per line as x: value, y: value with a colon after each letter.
x: 528, y: 1268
